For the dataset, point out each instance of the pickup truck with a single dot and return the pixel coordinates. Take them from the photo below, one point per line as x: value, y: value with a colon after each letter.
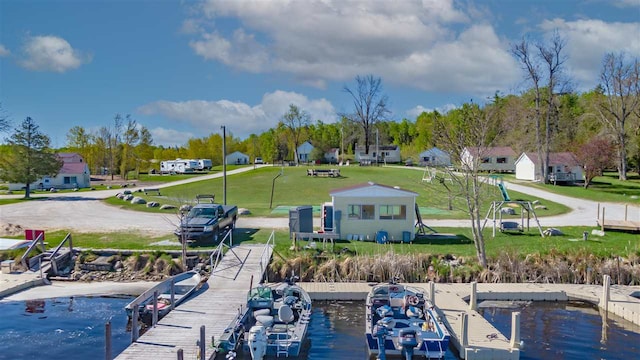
x: 204, y: 223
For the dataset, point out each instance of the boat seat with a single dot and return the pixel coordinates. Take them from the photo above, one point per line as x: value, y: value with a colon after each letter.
x: 285, y: 314
x: 261, y: 312
x: 265, y: 320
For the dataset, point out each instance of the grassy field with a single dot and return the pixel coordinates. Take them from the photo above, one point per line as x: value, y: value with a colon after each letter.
x: 613, y: 244
x: 253, y: 190
x: 605, y: 188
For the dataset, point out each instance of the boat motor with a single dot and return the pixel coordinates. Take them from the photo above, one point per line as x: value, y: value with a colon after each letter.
x: 380, y: 331
x: 257, y: 342
x: 407, y: 340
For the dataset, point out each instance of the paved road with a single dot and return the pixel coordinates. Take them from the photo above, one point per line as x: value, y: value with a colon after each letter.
x: 85, y: 212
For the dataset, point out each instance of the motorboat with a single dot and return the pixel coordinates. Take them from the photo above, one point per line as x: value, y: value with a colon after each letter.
x: 401, y: 321
x: 273, y: 324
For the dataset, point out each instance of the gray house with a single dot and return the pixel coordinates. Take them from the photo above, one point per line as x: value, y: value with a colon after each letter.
x: 435, y: 157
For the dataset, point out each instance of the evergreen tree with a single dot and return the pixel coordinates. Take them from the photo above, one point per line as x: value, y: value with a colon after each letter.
x: 30, y: 157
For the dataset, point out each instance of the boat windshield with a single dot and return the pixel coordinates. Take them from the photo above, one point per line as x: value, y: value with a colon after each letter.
x: 260, y: 293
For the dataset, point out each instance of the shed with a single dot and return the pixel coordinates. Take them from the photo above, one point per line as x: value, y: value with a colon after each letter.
x: 237, y: 158
x: 498, y: 159
x: 304, y: 152
x: 366, y: 209
x: 435, y: 157
x: 563, y: 167
x: 332, y: 155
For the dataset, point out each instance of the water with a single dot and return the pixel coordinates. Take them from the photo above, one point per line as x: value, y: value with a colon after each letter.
x: 568, y: 330
x: 61, y: 329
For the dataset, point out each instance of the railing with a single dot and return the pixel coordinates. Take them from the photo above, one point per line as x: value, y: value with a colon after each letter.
x: 264, y: 257
x: 34, y: 243
x: 52, y: 257
x: 562, y: 176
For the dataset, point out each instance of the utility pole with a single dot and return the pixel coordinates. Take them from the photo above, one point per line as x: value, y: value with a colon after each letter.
x: 224, y: 165
x: 377, y: 147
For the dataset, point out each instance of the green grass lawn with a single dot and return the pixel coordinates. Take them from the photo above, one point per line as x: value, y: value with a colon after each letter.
x: 613, y: 244
x: 253, y: 190
x: 605, y: 188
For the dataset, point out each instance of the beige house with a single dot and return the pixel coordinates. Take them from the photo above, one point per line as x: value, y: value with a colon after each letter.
x: 362, y: 211
x: 492, y: 159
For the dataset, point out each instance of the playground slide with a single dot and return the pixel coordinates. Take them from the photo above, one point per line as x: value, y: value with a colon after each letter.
x: 503, y: 190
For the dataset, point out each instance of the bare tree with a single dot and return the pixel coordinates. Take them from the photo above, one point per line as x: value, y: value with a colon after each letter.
x: 130, y: 139
x: 462, y: 130
x: 5, y: 125
x: 370, y: 105
x: 553, y: 58
x: 620, y: 84
x: 531, y: 66
x: 295, y: 121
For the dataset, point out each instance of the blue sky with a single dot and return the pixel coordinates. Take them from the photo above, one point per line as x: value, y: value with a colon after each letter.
x: 185, y: 68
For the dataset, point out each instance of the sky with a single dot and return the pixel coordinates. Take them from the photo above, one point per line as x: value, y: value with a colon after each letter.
x: 184, y: 69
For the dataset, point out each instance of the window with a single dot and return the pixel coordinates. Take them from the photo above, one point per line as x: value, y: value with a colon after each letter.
x: 70, y: 180
x: 393, y: 212
x: 501, y: 160
x: 362, y: 212
x: 486, y: 160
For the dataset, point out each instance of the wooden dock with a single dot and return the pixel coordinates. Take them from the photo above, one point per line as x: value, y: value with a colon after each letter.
x: 215, y: 306
x: 621, y: 225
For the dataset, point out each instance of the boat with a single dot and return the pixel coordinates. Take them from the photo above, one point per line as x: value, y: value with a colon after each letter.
x: 273, y: 324
x: 401, y: 321
x: 185, y: 284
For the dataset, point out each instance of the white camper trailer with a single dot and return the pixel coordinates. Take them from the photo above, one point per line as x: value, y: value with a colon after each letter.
x: 178, y: 166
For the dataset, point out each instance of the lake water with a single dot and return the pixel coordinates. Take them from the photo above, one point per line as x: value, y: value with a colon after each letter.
x: 62, y: 329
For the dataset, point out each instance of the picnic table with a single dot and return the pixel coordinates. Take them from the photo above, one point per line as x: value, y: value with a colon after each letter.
x: 323, y: 172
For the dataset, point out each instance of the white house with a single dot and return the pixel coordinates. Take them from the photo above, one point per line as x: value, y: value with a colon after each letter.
x: 73, y: 174
x: 304, y: 152
x: 497, y: 159
x: 364, y: 210
x: 237, y: 158
x: 435, y: 157
x: 387, y: 153
x: 563, y: 167
x: 332, y: 155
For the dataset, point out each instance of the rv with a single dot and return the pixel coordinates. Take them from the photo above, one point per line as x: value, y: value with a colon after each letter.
x: 178, y: 166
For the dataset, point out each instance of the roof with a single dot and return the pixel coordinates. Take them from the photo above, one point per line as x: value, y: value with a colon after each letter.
x: 236, y: 152
x: 561, y: 158
x: 435, y: 152
x: 492, y: 151
x: 371, y: 189
x: 372, y: 147
x: 73, y: 168
x: 70, y: 157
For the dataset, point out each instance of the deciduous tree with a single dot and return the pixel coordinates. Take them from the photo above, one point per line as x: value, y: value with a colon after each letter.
x: 620, y: 84
x: 369, y: 105
x: 595, y: 156
x: 30, y: 157
x: 295, y: 120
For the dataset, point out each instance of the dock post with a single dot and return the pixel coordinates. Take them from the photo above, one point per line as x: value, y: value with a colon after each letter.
x: 432, y: 292
x: 180, y: 354
x: 473, y: 301
x: 135, y: 331
x: 606, y: 284
x: 515, y: 330
x: 464, y: 334
x: 154, y: 318
x: 602, y: 223
x: 203, y: 347
x: 626, y: 208
x: 173, y: 294
x: 107, y: 341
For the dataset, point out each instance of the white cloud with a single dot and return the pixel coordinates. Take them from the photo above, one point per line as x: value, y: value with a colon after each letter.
x: 241, y: 119
x: 626, y: 3
x: 4, y: 51
x: 589, y: 40
x: 416, y: 111
x: 405, y: 42
x: 170, y: 137
x: 51, y: 53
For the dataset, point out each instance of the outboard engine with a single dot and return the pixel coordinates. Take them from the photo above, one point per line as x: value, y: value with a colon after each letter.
x: 407, y: 340
x: 257, y: 342
x: 380, y: 331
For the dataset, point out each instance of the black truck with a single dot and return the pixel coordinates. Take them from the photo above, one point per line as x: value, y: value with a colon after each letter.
x: 205, y: 223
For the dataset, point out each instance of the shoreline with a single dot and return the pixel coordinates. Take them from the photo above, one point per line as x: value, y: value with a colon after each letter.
x: 68, y: 289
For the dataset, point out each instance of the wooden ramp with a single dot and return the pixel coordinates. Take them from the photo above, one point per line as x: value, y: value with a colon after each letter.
x: 215, y: 307
x: 623, y: 225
